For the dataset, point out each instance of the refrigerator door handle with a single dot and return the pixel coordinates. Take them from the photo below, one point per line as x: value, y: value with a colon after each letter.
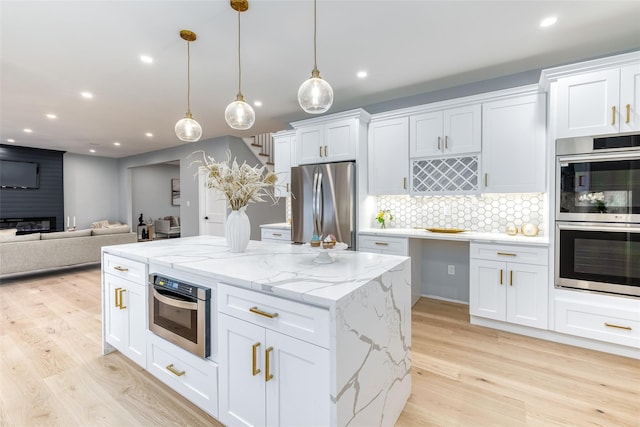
x: 320, y: 204
x: 315, y: 201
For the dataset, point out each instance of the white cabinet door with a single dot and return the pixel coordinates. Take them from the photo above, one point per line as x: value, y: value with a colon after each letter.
x: 282, y: 158
x: 309, y: 141
x: 527, y: 295
x: 588, y: 104
x: 462, y: 130
x: 242, y: 385
x: 513, y: 145
x: 389, y: 156
x: 340, y: 141
x: 487, y: 292
x: 126, y: 317
x: 425, y: 134
x: 630, y: 98
x: 298, y: 392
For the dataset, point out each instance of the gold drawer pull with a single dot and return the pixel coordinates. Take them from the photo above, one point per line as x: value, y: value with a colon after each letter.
x: 175, y: 372
x: 446, y: 142
x: 628, y: 113
x: 123, y: 269
x: 276, y: 234
x: 325, y: 151
x: 506, y: 254
x: 611, y: 325
x: 254, y: 368
x: 404, y: 183
x: 287, y: 187
x: 438, y: 143
x: 117, y: 296
x: 382, y: 244
x: 501, y: 276
x: 263, y: 313
x: 120, y: 291
x: 511, y: 278
x: 267, y: 375
x: 613, y: 115
x: 321, y: 151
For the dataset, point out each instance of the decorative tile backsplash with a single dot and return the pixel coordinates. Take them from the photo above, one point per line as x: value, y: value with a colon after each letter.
x: 487, y: 213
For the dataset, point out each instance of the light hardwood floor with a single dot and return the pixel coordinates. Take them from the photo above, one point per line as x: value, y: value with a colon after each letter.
x: 52, y: 372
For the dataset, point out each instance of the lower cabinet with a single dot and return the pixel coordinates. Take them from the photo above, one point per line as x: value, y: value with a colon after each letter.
x: 126, y: 317
x: 268, y: 378
x: 384, y: 245
x: 191, y: 376
x: 509, y: 283
x: 275, y: 235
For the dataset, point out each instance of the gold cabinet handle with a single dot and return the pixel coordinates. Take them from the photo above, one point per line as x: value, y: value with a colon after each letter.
x: 254, y: 364
x: 123, y: 269
x: 122, y: 307
x: 611, y: 325
x: 267, y: 375
x: 486, y: 179
x: 501, y: 276
x: 613, y: 115
x: 263, y: 313
x: 404, y: 183
x: 628, y: 106
x: 505, y: 254
x: 325, y: 151
x: 438, y: 143
x: 287, y: 187
x: 117, y: 297
x: 174, y: 371
x: 382, y: 244
x: 446, y: 142
x: 276, y: 234
x: 320, y: 151
x: 511, y: 278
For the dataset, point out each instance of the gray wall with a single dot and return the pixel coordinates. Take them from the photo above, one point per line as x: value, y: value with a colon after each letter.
x: 151, y: 191
x: 437, y: 255
x: 91, y: 189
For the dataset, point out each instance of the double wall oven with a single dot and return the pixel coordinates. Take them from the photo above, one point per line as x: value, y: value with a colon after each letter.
x: 598, y: 214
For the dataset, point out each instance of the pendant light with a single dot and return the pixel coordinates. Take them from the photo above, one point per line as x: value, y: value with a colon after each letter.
x: 239, y: 115
x: 315, y: 95
x: 187, y: 129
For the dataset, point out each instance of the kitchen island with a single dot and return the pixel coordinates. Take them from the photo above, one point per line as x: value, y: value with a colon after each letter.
x: 337, y: 354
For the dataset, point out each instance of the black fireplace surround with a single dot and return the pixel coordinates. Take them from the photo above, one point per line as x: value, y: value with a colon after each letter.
x: 29, y: 225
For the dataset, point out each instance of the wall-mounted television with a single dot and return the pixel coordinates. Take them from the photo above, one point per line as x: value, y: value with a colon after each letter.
x: 19, y: 174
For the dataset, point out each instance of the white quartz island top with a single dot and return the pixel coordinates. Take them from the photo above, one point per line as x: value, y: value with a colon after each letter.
x: 284, y: 270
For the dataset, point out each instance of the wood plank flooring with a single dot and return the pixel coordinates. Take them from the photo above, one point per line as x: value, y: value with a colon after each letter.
x: 52, y: 372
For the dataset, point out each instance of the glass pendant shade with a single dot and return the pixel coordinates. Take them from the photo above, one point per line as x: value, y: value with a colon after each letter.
x: 315, y: 95
x: 239, y: 115
x: 188, y: 130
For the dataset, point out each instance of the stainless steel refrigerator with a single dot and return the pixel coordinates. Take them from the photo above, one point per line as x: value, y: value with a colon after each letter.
x: 324, y: 202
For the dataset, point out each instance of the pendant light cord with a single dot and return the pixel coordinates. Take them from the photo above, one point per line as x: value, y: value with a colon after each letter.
x: 188, y: 79
x: 239, y: 65
x: 315, y: 31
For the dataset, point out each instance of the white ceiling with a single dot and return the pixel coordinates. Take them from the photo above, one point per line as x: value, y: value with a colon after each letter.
x: 53, y: 50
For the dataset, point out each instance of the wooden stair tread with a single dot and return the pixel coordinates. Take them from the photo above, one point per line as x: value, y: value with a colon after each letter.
x: 256, y: 145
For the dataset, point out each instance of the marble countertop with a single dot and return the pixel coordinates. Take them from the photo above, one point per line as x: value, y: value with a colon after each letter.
x: 279, y: 225
x: 284, y: 270
x: 416, y: 233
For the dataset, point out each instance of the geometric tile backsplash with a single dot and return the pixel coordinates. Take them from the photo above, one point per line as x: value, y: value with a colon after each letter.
x: 486, y: 213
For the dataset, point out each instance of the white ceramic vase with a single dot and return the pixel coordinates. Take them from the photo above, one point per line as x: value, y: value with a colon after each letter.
x: 237, y: 230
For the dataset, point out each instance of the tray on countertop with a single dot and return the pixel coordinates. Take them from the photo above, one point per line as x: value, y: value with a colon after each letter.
x: 442, y: 230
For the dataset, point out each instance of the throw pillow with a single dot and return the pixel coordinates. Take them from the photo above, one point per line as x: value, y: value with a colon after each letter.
x: 8, y: 232
x: 100, y: 224
x: 22, y: 238
x: 111, y: 230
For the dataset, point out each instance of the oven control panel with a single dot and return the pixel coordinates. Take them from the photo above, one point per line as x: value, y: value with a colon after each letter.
x: 162, y: 282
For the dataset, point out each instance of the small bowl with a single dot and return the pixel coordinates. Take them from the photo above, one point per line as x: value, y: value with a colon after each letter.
x: 314, y: 243
x: 328, y: 245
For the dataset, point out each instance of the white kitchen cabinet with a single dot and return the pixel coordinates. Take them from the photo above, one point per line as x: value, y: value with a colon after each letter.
x: 509, y: 283
x: 389, y: 156
x: 332, y: 138
x: 283, y: 143
x: 264, y: 355
x: 449, y: 132
x: 384, y: 245
x: 125, y: 307
x: 599, y: 102
x: 513, y: 145
x: 275, y: 234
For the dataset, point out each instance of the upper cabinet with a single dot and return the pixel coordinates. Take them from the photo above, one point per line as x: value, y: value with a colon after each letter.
x: 446, y: 132
x: 389, y: 156
x: 282, y: 146
x: 513, y: 145
x: 600, y: 97
x: 330, y: 138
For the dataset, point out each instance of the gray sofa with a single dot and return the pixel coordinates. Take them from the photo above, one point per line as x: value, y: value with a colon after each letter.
x: 42, y: 251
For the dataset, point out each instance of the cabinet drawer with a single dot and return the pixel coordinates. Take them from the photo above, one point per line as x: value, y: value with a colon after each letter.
x: 133, y: 271
x: 618, y: 325
x: 298, y: 320
x: 271, y: 234
x: 194, y: 378
x: 386, y: 245
x: 512, y: 253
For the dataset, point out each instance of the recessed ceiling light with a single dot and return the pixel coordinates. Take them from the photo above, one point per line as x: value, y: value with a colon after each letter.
x: 149, y: 134
x: 362, y: 74
x: 146, y: 59
x: 27, y: 130
x: 257, y: 103
x: 92, y: 151
x: 548, y: 21
x: 11, y: 140
x: 52, y: 116
x: 86, y: 95
x: 117, y: 144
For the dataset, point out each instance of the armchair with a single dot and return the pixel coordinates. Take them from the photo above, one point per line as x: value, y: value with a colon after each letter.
x: 167, y: 227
